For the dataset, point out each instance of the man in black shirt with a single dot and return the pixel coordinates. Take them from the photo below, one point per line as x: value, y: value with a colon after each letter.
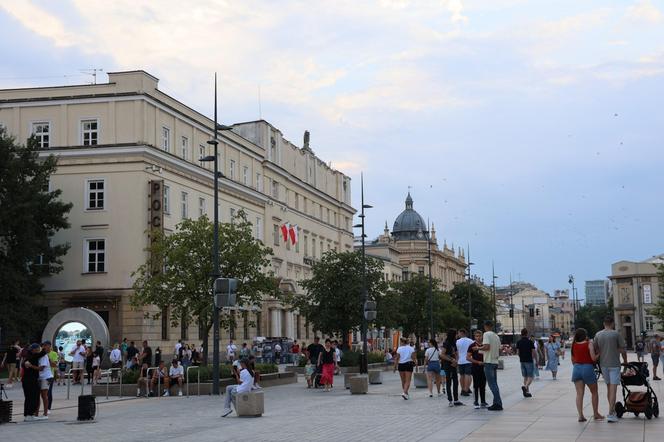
x: 146, y: 355
x: 313, y: 350
x: 527, y: 356
x: 99, y: 351
x: 131, y: 352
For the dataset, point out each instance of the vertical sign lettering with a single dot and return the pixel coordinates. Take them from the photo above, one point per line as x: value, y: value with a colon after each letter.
x: 156, y: 211
x: 647, y: 294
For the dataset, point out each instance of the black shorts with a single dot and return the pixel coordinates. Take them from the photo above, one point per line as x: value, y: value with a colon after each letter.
x: 407, y: 366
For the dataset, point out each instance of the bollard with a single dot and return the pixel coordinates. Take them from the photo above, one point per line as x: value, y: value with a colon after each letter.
x: 198, y: 372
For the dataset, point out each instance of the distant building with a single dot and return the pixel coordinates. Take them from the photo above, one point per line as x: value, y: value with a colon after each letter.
x: 635, y: 289
x: 597, y: 291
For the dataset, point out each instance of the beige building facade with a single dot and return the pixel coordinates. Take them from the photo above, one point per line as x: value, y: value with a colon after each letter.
x: 116, y: 141
x: 635, y: 289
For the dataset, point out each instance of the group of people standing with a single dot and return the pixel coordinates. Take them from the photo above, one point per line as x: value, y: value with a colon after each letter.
x: 533, y: 355
x: 460, y: 361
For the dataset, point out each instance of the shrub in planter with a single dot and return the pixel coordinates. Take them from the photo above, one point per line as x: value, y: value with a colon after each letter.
x: 302, y: 361
x: 350, y: 358
x: 130, y: 376
x: 376, y: 357
x: 267, y: 368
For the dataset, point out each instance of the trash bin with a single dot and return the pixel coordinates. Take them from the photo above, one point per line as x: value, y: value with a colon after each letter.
x: 87, y: 407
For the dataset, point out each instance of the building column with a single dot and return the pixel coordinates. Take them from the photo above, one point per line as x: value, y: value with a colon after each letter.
x: 275, y: 322
x: 290, y: 324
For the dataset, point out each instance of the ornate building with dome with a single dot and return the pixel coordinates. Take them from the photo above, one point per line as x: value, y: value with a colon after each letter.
x: 405, y: 251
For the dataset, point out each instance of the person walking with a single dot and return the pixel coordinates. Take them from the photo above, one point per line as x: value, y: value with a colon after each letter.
x: 89, y: 368
x: 526, y: 349
x: 53, y: 357
x: 583, y: 373
x: 610, y: 345
x: 405, y: 363
x: 231, y: 348
x: 479, y: 379
x: 491, y: 351
x: 246, y: 383
x: 78, y: 354
x: 10, y: 362
x: 432, y: 360
x: 30, y: 382
x: 327, y: 360
x: 449, y: 357
x: 295, y: 351
x: 535, y: 359
x: 464, y: 367
x: 552, y: 350
x: 45, y: 378
x: 653, y: 348
x: 640, y: 348
x: 116, y: 361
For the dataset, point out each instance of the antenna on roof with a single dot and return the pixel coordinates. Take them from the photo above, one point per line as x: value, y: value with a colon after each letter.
x: 92, y: 72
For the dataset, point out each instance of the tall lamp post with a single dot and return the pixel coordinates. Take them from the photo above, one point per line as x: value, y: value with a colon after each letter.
x: 215, y: 247
x: 512, y: 307
x: 470, y: 298
x: 432, y: 331
x: 368, y: 309
x: 493, y: 286
x: 571, y: 281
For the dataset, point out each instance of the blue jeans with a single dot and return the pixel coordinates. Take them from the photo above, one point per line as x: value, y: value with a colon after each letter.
x: 231, y: 392
x: 491, y: 373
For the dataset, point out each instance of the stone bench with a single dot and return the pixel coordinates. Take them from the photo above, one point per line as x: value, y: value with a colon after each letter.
x: 250, y: 404
x: 347, y: 378
x: 359, y: 384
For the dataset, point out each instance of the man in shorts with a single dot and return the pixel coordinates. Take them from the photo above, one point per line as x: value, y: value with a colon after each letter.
x: 464, y: 366
x: 527, y: 357
x: 78, y: 362
x: 610, y: 345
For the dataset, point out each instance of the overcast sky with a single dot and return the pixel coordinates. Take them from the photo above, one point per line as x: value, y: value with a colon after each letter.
x: 530, y: 130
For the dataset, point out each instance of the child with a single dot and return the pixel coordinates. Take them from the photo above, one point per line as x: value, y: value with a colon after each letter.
x: 62, y: 367
x: 308, y: 373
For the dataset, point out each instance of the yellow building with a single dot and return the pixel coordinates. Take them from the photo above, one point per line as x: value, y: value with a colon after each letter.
x: 115, y: 141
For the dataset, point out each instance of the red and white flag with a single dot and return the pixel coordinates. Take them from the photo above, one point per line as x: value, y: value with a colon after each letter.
x: 284, y: 231
x: 293, y: 234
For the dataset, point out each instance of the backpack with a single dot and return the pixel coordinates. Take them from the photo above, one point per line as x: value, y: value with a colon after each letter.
x: 639, y: 346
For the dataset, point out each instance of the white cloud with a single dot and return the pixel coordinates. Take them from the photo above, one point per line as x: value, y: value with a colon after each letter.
x: 42, y: 23
x: 644, y: 10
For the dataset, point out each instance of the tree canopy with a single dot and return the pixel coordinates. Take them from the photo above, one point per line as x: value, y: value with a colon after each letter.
x: 591, y: 317
x: 30, y: 214
x: 658, y: 310
x: 481, y: 306
x: 185, y: 284
x: 332, y: 302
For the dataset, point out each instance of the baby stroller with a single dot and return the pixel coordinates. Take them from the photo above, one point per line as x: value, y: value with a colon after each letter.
x: 636, y: 375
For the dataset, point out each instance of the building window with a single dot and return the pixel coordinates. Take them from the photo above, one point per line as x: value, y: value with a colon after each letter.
x: 42, y: 133
x: 95, y: 255
x: 184, y: 330
x: 201, y: 330
x: 201, y: 151
x: 320, y: 213
x: 313, y: 247
x: 166, y: 139
x: 273, y: 149
x: 275, y: 235
x: 650, y: 323
x: 232, y: 212
x: 259, y: 182
x: 184, y: 199
x: 420, y: 270
x: 321, y: 248
x: 232, y: 172
x: 167, y: 200
x: 297, y: 201
x: 90, y: 132
x: 201, y: 206
x: 245, y: 175
x: 275, y: 189
x: 306, y: 245
x: 164, y: 323
x: 297, y: 243
x: 259, y: 229
x: 184, y: 145
x: 305, y: 205
x: 245, y: 325
x: 258, y: 323
x: 94, y: 199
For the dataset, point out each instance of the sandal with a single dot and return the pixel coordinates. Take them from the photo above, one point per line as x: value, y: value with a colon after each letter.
x: 582, y: 419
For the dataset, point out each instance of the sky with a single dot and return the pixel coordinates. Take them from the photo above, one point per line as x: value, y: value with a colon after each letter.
x: 528, y: 131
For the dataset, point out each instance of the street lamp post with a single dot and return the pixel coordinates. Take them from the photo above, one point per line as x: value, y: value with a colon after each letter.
x: 493, y: 286
x: 571, y: 281
x: 512, y: 307
x: 215, y: 246
x: 365, y: 304
x: 470, y: 298
x: 432, y: 331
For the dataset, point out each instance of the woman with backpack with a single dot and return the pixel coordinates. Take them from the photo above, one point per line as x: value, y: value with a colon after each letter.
x: 432, y: 361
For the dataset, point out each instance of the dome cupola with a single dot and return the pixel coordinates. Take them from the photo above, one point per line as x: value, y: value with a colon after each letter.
x: 409, y: 225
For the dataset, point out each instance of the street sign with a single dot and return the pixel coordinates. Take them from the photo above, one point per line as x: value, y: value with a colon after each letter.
x: 225, y: 292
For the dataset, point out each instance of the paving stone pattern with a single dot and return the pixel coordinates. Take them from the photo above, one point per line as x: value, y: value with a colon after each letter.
x: 294, y: 413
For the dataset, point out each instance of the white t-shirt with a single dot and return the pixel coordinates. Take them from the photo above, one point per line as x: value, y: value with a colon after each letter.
x: 277, y: 348
x: 116, y: 355
x: 230, y: 349
x: 78, y: 357
x: 177, y: 348
x: 95, y: 361
x: 338, y: 353
x: 246, y: 382
x: 176, y: 371
x: 46, y: 373
x: 462, y: 349
x: 405, y: 353
x: 431, y: 355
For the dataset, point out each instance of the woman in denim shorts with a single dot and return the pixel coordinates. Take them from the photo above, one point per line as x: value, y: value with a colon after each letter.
x: 432, y: 360
x: 583, y: 374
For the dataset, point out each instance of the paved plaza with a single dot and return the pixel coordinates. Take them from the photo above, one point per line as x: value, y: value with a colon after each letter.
x: 295, y: 413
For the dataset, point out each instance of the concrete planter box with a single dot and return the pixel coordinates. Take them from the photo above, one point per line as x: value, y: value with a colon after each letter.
x: 420, y: 380
x: 267, y: 380
x: 359, y: 384
x: 347, y: 377
x: 345, y: 370
x: 294, y: 369
x: 375, y: 376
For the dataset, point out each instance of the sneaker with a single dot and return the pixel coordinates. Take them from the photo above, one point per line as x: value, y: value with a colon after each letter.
x: 484, y: 405
x: 476, y: 406
x: 28, y: 418
x: 656, y: 378
x: 451, y: 404
x: 227, y: 411
x: 458, y: 403
x: 166, y: 393
x: 612, y: 418
x: 430, y: 395
x: 39, y: 418
x: 465, y: 393
x: 495, y: 408
x: 524, y: 390
x: 404, y: 396
x: 526, y: 394
x: 138, y: 393
x: 179, y: 393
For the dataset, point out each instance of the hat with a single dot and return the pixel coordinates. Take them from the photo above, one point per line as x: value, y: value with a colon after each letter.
x: 47, y: 342
x: 34, y: 346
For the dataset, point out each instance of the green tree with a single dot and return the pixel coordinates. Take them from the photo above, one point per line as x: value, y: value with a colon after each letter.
x: 184, y: 287
x: 658, y: 310
x: 407, y: 306
x: 591, y: 317
x: 481, y: 305
x: 332, y: 302
x: 30, y: 215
